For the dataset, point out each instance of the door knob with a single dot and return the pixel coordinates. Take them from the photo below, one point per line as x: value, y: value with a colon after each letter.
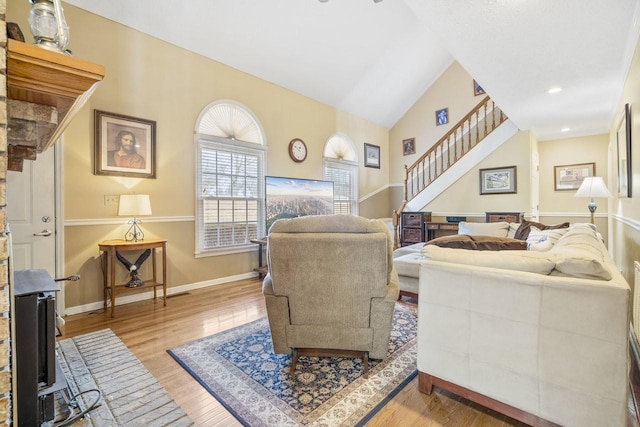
x: 43, y: 233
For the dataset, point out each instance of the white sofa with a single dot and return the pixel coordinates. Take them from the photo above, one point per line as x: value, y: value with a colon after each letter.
x: 539, y: 336
x: 407, y: 259
x: 407, y: 263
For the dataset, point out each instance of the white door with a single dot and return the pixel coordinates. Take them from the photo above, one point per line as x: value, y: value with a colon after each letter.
x: 31, y: 213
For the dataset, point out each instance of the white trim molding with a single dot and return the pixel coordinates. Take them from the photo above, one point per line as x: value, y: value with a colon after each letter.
x: 627, y: 221
x: 99, y: 305
x: 573, y: 214
x: 373, y: 193
x: 122, y: 220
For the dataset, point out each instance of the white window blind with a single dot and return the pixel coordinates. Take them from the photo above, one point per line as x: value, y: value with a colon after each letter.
x: 231, y: 195
x: 341, y: 167
x: 229, y: 179
x: 345, y: 188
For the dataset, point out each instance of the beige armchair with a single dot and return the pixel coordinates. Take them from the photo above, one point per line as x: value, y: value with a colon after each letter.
x: 331, y: 287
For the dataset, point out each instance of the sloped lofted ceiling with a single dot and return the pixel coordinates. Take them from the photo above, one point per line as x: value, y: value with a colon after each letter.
x: 375, y: 60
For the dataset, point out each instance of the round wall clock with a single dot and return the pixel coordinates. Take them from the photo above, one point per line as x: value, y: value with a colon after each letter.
x: 297, y: 150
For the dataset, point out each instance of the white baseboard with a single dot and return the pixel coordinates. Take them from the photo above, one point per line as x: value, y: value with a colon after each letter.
x: 126, y: 299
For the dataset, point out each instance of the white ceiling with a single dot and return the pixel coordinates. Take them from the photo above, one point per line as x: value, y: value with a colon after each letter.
x: 376, y: 59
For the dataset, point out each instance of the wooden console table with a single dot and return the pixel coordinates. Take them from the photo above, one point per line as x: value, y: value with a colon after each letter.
x: 109, y: 249
x: 432, y: 227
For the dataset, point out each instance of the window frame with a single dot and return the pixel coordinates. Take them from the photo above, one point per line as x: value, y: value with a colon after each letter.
x: 208, y: 143
x: 333, y: 158
x: 220, y: 143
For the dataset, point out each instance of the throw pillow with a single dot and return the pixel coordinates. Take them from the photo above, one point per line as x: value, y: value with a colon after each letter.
x: 525, y: 227
x: 543, y: 240
x: 478, y: 243
x: 513, y: 227
x: 496, y: 229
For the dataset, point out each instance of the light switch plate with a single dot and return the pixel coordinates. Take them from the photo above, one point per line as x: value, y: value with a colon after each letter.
x: 111, y: 200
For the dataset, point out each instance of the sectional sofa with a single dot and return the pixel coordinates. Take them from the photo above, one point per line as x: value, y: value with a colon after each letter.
x: 541, y: 336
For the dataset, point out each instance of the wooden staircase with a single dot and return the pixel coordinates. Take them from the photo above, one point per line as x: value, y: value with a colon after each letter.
x: 483, y: 119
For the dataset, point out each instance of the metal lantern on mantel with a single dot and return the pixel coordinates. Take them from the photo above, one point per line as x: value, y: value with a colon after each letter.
x: 48, y: 25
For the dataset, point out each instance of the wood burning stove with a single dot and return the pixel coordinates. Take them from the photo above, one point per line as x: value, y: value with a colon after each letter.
x: 37, y: 371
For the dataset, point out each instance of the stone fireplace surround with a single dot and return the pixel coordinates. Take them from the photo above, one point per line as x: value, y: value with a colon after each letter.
x: 32, y: 118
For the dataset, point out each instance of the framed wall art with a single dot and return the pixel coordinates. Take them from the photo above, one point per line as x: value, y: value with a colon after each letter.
x: 371, y: 156
x: 124, y: 145
x: 477, y: 89
x: 442, y: 116
x: 408, y: 146
x: 623, y: 143
x: 498, y: 180
x: 569, y: 177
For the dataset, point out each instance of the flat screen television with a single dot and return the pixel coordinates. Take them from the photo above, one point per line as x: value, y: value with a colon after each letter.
x: 294, y: 197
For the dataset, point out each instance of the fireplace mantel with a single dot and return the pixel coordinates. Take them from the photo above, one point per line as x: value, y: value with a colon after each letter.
x: 56, y: 83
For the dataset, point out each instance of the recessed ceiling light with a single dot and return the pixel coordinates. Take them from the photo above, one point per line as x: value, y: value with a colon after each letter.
x: 554, y: 90
x: 565, y: 129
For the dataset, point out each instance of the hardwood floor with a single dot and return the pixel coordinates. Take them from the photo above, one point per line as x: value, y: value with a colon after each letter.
x: 148, y: 329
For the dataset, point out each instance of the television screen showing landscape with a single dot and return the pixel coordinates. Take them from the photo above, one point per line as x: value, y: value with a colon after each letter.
x: 293, y: 197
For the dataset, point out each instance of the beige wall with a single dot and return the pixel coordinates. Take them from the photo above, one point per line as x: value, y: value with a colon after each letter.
x: 453, y: 90
x: 464, y: 197
x: 625, y: 212
x: 535, y: 161
x: 153, y: 80
x: 559, y: 206
x: 377, y: 205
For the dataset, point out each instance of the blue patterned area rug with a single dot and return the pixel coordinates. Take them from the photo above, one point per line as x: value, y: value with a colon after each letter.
x: 238, y: 367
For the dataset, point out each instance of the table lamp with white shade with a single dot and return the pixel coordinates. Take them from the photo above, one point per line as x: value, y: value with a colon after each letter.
x: 593, y: 187
x: 134, y: 205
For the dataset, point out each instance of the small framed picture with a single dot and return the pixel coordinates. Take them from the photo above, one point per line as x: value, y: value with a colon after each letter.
x: 371, y: 156
x: 498, y: 180
x: 477, y: 89
x: 408, y: 146
x: 442, y: 116
x: 124, y: 145
x: 569, y: 177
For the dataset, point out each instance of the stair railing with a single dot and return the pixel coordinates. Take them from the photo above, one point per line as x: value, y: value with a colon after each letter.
x: 483, y: 119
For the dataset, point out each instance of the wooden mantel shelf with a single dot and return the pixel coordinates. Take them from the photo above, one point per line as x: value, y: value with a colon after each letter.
x: 40, y: 76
